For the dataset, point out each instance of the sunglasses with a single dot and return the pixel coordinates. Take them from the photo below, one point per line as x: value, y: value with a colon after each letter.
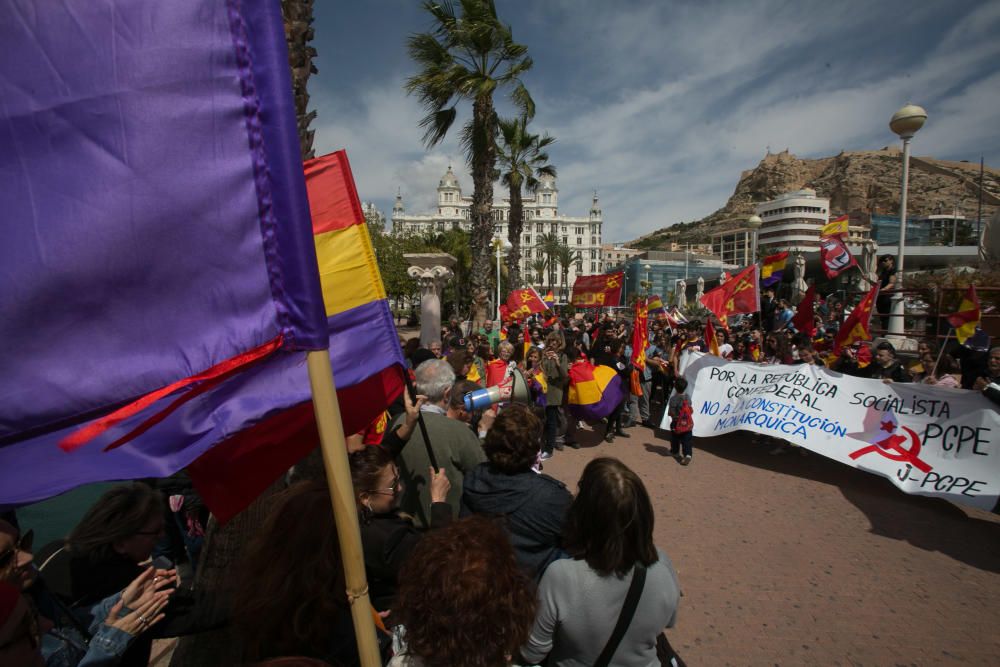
x: 23, y: 543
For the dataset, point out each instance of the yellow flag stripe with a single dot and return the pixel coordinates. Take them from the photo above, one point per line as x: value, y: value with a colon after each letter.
x: 347, y: 270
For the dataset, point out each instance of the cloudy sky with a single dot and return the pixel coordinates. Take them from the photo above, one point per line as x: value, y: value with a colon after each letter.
x: 659, y: 105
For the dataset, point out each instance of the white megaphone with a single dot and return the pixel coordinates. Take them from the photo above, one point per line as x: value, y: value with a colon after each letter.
x: 513, y: 388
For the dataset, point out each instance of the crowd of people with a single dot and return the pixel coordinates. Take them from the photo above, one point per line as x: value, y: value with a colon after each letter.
x: 474, y: 556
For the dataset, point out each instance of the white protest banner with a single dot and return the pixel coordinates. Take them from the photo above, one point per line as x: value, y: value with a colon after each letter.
x: 928, y: 440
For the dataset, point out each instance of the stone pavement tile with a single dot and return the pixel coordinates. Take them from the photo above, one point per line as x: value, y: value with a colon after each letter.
x: 791, y: 560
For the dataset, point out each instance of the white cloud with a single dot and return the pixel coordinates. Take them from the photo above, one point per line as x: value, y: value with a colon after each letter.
x: 661, y: 106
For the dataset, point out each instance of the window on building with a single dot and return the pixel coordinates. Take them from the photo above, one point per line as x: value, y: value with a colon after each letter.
x: 579, y: 240
x: 565, y: 240
x: 540, y: 227
x: 555, y: 228
x: 546, y: 198
x: 538, y: 253
x: 593, y: 254
x: 593, y: 267
x: 593, y: 240
x: 527, y: 239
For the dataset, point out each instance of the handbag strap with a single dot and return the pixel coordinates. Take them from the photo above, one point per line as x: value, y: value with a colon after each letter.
x: 625, y: 618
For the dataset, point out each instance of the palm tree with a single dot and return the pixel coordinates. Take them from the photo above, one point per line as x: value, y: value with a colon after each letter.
x: 538, y: 266
x: 298, y: 17
x: 455, y: 242
x: 566, y: 258
x: 549, y: 243
x: 522, y: 161
x: 467, y: 57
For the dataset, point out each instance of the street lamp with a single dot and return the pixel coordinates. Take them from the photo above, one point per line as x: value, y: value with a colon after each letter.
x: 502, y: 246
x: 754, y: 222
x: 648, y: 285
x: 905, y: 123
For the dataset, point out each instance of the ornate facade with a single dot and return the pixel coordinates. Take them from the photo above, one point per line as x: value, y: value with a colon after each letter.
x: 541, y: 216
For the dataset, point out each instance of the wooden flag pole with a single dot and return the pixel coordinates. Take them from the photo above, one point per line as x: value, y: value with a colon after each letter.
x: 944, y: 344
x: 334, y: 449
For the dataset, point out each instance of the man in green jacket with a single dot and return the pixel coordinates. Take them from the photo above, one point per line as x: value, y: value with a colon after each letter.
x: 455, y: 446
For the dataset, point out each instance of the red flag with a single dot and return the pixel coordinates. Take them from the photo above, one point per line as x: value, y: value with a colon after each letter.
x: 739, y: 295
x: 524, y: 302
x: 711, y: 339
x: 640, y: 341
x: 835, y: 256
x: 598, y: 291
x: 856, y: 327
x: 504, y: 312
x: 967, y: 318
x: 805, y: 316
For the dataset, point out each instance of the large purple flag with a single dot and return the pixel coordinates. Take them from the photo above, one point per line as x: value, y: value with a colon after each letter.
x: 156, y: 227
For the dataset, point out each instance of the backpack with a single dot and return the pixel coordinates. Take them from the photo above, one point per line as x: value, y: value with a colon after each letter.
x: 684, y: 421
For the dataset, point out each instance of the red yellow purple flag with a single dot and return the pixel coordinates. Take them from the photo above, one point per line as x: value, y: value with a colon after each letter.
x: 739, y: 295
x: 598, y: 291
x: 966, y: 319
x: 857, y: 325
x: 773, y: 269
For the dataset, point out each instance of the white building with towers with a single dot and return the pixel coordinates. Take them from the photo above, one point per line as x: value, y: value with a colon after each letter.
x: 541, y: 216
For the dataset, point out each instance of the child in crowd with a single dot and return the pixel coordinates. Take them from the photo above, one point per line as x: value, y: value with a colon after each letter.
x: 681, y: 423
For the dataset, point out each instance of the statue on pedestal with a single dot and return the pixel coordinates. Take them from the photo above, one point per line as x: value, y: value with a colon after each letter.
x: 799, y: 285
x: 431, y: 271
x: 700, y: 291
x: 682, y: 300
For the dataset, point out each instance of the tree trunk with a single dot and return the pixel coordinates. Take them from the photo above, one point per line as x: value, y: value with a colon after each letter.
x: 514, y: 228
x: 483, y: 164
x: 298, y: 17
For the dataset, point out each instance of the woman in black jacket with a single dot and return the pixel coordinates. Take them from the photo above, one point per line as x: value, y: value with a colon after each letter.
x: 533, y: 505
x: 387, y: 537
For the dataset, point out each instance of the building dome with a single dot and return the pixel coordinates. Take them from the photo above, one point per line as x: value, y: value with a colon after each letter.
x: 448, y: 180
x: 595, y: 207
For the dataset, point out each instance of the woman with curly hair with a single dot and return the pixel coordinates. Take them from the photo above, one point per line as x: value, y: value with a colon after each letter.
x: 463, y: 599
x: 609, y: 534
x: 532, y: 505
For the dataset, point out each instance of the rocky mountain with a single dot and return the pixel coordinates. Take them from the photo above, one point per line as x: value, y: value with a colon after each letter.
x: 854, y: 181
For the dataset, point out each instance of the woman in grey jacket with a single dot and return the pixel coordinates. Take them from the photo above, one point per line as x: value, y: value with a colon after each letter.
x: 609, y: 531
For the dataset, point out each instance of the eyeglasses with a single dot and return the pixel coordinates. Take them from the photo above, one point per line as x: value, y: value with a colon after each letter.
x: 392, y: 490
x: 23, y: 544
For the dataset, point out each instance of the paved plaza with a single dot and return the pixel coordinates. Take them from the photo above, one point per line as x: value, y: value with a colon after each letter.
x: 796, y: 560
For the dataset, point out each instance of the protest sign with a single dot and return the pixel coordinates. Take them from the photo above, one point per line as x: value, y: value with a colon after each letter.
x: 927, y: 440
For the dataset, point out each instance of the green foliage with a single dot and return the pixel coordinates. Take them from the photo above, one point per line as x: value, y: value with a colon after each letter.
x: 466, y: 57
x: 523, y: 160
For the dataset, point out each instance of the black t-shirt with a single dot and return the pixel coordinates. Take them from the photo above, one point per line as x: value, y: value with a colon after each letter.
x: 885, y: 277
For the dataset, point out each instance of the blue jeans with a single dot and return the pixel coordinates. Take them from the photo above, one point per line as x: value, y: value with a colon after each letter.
x: 680, y: 442
x: 551, y: 427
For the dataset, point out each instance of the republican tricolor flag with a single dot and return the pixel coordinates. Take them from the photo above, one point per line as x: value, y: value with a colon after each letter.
x: 160, y: 285
x: 773, y: 269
